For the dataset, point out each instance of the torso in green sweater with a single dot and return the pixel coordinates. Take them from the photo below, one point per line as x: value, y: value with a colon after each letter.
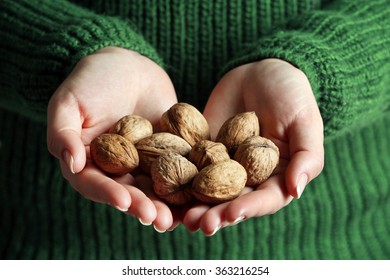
x: 343, y: 48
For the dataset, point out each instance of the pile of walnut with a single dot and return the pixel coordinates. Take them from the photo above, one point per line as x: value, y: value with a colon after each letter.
x: 182, y: 160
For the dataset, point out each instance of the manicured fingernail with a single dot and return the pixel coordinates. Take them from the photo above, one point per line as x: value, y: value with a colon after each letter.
x: 144, y: 223
x: 238, y: 220
x: 235, y: 222
x: 121, y: 209
x: 68, y: 158
x: 159, y: 231
x: 214, y: 231
x: 172, y: 228
x: 301, y: 185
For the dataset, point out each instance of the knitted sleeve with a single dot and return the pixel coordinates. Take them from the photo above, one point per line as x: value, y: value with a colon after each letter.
x: 344, y: 49
x: 42, y: 40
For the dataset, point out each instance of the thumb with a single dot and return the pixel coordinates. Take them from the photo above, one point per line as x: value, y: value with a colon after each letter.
x: 64, y: 125
x: 306, y: 152
x: 224, y: 102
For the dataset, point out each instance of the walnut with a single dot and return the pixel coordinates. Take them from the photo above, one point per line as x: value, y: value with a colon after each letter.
x: 132, y: 127
x: 157, y: 144
x: 259, y: 156
x: 219, y: 182
x: 214, y: 172
x: 206, y: 152
x: 186, y: 121
x: 114, y: 154
x: 172, y: 176
x: 237, y: 129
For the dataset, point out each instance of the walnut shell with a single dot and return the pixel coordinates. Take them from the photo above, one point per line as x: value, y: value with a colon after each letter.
x: 157, y: 144
x: 219, y: 182
x: 206, y: 152
x: 186, y: 121
x: 259, y: 156
x: 132, y: 127
x: 172, y: 176
x: 114, y: 154
x: 237, y: 129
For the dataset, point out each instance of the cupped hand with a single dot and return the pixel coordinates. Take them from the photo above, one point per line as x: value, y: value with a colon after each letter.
x: 282, y: 98
x: 102, y: 88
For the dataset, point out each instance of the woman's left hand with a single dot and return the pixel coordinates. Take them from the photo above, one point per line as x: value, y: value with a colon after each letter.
x: 283, y: 100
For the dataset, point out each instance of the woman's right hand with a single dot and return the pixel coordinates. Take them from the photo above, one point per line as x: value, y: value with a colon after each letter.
x: 102, y: 88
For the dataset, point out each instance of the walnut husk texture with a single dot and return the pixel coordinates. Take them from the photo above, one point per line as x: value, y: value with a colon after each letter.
x: 219, y: 182
x: 132, y: 127
x: 172, y: 176
x: 259, y: 156
x: 237, y: 129
x: 157, y: 144
x: 186, y: 121
x: 114, y: 154
x: 206, y: 152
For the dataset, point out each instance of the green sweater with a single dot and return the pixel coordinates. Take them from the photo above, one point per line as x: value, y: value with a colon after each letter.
x: 342, y: 46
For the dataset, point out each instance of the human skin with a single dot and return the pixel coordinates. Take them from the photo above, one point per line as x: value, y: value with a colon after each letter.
x: 102, y: 88
x: 283, y: 100
x: 114, y: 82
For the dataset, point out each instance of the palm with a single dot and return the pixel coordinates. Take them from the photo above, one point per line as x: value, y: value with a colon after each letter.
x: 282, y: 99
x: 101, y: 89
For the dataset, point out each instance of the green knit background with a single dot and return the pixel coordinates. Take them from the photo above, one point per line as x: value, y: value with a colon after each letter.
x: 343, y: 214
x: 196, y: 41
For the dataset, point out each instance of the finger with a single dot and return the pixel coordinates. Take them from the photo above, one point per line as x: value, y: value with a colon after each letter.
x: 177, y: 218
x: 193, y: 216
x: 306, y: 152
x: 163, y: 218
x: 64, y: 131
x: 215, y: 217
x: 96, y: 186
x: 266, y: 200
x: 211, y: 221
x: 225, y: 101
x: 141, y: 206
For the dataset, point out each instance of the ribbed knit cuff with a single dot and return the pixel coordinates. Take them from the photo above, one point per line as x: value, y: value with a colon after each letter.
x: 42, y: 42
x: 344, y: 53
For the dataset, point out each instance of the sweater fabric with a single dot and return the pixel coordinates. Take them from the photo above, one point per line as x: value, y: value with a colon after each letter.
x: 342, y: 46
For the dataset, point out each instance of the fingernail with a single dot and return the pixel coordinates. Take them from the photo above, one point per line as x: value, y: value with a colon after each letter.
x: 144, y: 223
x: 121, y: 209
x: 214, y: 231
x: 159, y: 231
x: 68, y: 158
x: 172, y: 228
x: 235, y: 222
x: 238, y: 220
x: 301, y: 185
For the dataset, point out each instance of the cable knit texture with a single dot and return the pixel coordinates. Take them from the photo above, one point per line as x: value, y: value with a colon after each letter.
x: 342, y: 46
